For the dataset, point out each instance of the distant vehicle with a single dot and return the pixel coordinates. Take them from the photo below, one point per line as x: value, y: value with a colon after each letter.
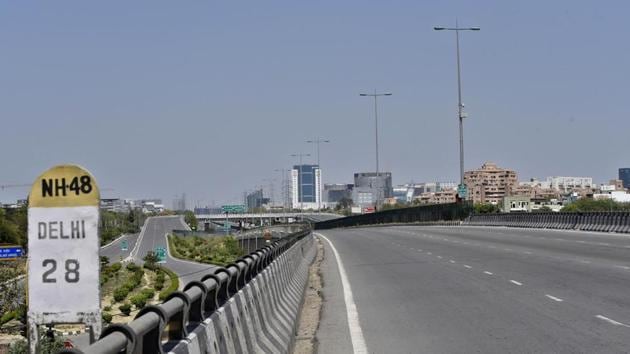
x: 67, y: 344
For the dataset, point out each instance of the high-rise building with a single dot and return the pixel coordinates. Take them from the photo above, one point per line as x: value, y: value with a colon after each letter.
x: 490, y: 183
x: 371, y: 188
x: 624, y: 175
x: 333, y: 193
x: 255, y: 200
x: 306, y: 187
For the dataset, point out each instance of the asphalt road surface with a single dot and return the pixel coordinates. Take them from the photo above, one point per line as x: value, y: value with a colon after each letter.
x: 114, y: 251
x: 475, y: 290
x: 153, y: 234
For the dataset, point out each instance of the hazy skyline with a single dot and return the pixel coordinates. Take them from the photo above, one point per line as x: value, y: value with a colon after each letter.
x: 158, y: 98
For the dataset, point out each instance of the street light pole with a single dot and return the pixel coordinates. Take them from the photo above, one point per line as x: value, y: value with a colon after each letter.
x: 300, y: 195
x: 375, y: 95
x: 460, y: 106
x: 317, y: 141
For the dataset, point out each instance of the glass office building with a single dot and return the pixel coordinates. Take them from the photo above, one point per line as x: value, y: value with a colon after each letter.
x: 624, y: 175
x: 306, y: 187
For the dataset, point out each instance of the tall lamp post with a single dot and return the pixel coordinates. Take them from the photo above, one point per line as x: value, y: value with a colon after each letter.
x: 376, y: 96
x: 300, y: 196
x: 462, y: 192
x: 318, y: 141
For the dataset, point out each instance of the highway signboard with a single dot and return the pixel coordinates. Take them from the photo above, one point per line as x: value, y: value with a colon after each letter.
x: 10, y: 252
x: 233, y: 208
x: 160, y: 252
x: 124, y: 245
x: 63, y: 259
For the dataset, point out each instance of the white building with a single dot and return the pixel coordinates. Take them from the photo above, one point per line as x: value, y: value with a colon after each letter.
x: 567, y: 184
x: 306, y: 187
x: 618, y: 196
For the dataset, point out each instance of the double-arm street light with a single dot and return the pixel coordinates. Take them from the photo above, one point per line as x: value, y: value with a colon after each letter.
x: 460, y: 106
x: 300, y: 196
x: 376, y: 96
x: 318, y: 141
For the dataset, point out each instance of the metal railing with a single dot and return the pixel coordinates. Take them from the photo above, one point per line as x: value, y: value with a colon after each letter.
x: 158, y: 328
x: 419, y: 214
x: 585, y: 221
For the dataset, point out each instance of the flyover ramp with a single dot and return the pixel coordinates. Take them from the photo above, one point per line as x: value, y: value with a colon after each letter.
x: 153, y: 235
x: 478, y: 290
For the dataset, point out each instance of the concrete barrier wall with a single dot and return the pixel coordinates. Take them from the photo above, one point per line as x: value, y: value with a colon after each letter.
x: 262, y: 317
x: 587, y: 221
x: 250, y: 306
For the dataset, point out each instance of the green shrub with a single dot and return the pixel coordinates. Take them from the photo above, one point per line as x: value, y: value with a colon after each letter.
x: 8, y: 316
x: 148, y: 293
x: 125, y: 309
x: 107, y: 317
x: 107, y: 308
x: 120, y: 294
x: 115, y: 267
x: 139, y: 301
x: 132, y: 267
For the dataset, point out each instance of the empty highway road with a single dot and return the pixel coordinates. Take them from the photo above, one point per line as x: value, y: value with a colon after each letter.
x: 153, y: 235
x: 410, y: 289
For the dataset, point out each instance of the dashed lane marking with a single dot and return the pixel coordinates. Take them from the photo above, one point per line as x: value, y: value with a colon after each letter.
x: 557, y: 299
x: 486, y: 272
x: 611, y: 321
x: 515, y: 282
x: 467, y: 266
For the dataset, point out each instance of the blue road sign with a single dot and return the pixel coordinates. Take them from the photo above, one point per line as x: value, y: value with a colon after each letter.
x: 11, y: 252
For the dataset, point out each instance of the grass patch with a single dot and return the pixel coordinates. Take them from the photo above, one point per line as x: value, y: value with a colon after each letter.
x: 213, y: 250
x: 173, y: 286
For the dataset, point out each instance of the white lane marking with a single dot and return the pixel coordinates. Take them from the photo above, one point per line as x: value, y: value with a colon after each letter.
x: 419, y: 250
x: 527, y: 252
x: 440, y: 257
x: 486, y: 272
x: 429, y: 253
x: 508, y: 249
x: 452, y: 261
x: 467, y: 266
x: 611, y: 321
x: 492, y: 247
x: 585, y: 262
x: 554, y: 298
x: 356, y: 333
x: 622, y: 267
x: 113, y: 242
x: 516, y: 282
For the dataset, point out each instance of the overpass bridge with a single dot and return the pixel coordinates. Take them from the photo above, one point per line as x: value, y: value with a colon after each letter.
x: 267, y: 218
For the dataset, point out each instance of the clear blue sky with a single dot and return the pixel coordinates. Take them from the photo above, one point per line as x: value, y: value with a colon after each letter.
x: 157, y: 98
